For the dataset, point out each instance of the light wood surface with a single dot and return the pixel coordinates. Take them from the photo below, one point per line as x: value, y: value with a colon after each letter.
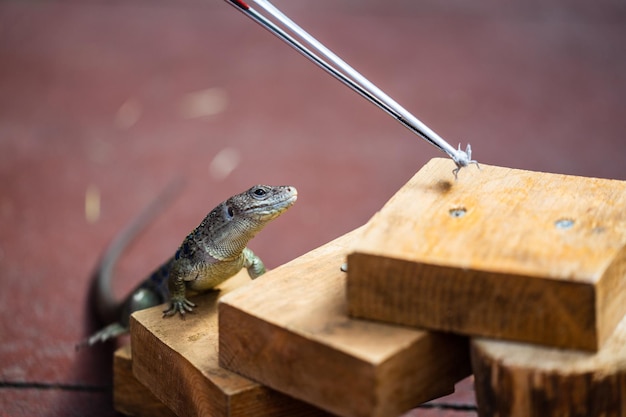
x: 177, y: 360
x: 491, y: 254
x: 289, y: 330
x: 130, y: 397
x: 514, y: 379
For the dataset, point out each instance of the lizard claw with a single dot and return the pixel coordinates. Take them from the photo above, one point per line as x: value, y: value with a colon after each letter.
x: 181, y: 306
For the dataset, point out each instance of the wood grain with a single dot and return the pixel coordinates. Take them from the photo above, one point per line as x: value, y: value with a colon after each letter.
x: 289, y: 330
x: 130, y: 397
x: 177, y: 360
x: 515, y: 379
x: 491, y: 255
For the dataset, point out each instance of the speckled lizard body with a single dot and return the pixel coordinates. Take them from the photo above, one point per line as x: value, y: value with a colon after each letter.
x: 213, y: 252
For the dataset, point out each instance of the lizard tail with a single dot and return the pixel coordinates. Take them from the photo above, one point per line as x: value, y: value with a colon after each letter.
x: 106, y: 305
x: 109, y: 332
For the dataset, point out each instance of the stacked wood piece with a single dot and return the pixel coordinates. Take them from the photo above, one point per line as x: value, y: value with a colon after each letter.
x: 130, y: 396
x: 177, y: 361
x: 531, y: 266
x: 512, y: 255
x: 289, y: 330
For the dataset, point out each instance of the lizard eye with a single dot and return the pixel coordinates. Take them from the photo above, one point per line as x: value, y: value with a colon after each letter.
x: 259, y: 192
x: 230, y: 212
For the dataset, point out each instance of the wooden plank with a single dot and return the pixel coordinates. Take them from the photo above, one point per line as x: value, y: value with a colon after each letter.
x: 130, y: 397
x: 515, y: 379
x: 177, y: 360
x: 289, y: 330
x: 500, y: 252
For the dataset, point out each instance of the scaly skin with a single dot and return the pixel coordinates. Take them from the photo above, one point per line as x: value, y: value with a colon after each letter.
x: 213, y: 252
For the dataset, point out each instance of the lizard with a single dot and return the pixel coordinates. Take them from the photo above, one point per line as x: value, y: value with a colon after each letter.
x: 213, y: 252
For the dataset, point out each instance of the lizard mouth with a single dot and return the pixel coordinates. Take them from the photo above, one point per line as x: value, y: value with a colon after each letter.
x: 292, y: 199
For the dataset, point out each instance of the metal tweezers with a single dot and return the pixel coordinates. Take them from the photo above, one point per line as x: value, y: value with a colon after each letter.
x: 323, y: 57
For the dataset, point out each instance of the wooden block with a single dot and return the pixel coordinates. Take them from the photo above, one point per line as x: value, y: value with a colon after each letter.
x: 177, y: 360
x: 503, y: 253
x: 289, y: 330
x: 130, y: 397
x: 514, y: 379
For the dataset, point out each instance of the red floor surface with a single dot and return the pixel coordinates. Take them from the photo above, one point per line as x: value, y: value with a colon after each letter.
x: 110, y: 101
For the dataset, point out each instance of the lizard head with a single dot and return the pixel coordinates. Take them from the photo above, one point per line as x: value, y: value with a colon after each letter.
x: 261, y: 203
x: 237, y: 220
x: 245, y: 214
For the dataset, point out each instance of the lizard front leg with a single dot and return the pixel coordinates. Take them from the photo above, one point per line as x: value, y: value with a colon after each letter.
x: 253, y: 264
x: 177, y: 288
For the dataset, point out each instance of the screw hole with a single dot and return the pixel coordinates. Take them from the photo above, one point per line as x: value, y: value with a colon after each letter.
x: 564, y: 224
x: 458, y: 212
